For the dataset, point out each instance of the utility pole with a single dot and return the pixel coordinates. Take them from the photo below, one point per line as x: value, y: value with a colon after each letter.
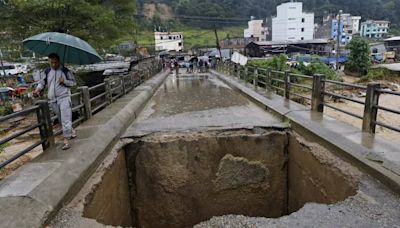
x: 216, y: 37
x: 339, y: 34
x: 1, y: 62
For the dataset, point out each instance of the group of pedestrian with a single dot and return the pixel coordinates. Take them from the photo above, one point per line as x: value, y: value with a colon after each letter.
x: 195, y: 64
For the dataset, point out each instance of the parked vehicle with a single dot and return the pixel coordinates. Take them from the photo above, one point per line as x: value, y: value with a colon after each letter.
x: 8, y: 70
x: 13, y: 69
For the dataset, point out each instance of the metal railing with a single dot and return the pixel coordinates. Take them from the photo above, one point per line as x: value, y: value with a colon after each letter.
x: 43, y: 124
x: 314, y: 89
x: 86, y: 102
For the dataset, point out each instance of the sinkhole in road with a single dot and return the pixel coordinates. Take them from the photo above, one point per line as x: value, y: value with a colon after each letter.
x: 182, y: 179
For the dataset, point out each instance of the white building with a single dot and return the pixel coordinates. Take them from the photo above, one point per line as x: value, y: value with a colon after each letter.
x: 355, y: 21
x: 351, y: 23
x: 292, y: 24
x: 256, y: 30
x: 169, y: 41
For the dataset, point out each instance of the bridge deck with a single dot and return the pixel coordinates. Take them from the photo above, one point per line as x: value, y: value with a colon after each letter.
x: 199, y: 102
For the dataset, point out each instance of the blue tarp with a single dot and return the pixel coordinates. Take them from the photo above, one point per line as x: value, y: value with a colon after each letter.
x: 326, y: 60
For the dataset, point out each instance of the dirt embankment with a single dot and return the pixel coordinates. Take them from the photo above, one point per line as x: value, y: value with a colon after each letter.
x: 160, y: 9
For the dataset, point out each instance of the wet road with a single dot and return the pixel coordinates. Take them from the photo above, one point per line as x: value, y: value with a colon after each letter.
x: 190, y: 102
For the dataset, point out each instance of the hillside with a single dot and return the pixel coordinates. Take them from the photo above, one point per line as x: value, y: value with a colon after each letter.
x: 373, y: 9
x: 195, y: 37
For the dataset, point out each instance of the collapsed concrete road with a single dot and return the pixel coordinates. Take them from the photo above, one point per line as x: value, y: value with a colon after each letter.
x: 201, y: 154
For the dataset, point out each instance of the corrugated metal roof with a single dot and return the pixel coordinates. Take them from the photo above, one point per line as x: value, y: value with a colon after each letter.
x: 396, y: 38
x: 273, y: 43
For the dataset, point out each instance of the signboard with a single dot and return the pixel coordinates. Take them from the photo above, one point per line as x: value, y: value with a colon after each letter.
x: 238, y: 58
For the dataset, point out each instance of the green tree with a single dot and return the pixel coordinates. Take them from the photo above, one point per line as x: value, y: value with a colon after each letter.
x: 360, y: 56
x: 99, y: 22
x: 374, y: 9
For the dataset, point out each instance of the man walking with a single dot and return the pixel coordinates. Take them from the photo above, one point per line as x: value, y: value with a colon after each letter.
x: 58, y: 80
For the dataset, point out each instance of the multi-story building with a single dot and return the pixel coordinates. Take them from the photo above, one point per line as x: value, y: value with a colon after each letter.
x: 256, y: 29
x: 374, y: 29
x: 292, y: 24
x: 349, y: 26
x: 168, y: 41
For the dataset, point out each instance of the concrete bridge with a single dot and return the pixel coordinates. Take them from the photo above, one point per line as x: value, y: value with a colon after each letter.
x: 208, y: 150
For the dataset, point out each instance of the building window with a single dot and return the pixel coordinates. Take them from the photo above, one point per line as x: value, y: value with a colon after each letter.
x: 302, y: 38
x: 162, y: 38
x: 170, y: 37
x: 302, y: 29
x: 303, y: 20
x: 180, y: 44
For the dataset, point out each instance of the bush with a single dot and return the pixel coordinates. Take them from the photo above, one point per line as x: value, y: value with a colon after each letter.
x: 5, y: 108
x: 379, y: 74
x: 321, y: 68
x: 276, y: 63
x: 279, y: 63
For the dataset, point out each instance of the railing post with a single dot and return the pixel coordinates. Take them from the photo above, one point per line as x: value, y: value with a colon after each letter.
x: 86, y: 101
x: 132, y: 79
x: 246, y: 74
x: 255, y: 80
x: 370, y: 108
x: 107, y: 83
x: 268, y: 80
x: 317, y: 102
x: 123, y: 85
x: 46, y: 129
x: 287, y: 84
